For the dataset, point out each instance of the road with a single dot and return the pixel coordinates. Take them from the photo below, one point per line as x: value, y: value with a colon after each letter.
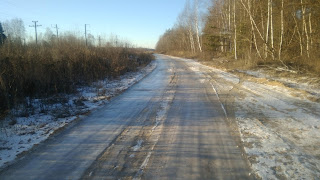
x: 170, y: 125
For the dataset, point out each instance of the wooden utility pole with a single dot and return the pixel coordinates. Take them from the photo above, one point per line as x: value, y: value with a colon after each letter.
x: 57, y: 31
x: 85, y: 33
x: 35, y: 29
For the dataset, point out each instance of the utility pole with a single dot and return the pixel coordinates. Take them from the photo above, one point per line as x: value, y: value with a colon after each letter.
x: 99, y: 41
x: 85, y: 33
x: 35, y: 29
x: 57, y: 30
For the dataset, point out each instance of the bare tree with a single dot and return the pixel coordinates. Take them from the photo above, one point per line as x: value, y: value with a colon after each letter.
x: 253, y: 26
x: 271, y: 29
x: 299, y: 34
x: 235, y: 30
x: 304, y: 26
x: 267, y: 29
x: 196, y: 23
x: 310, y: 29
x: 14, y: 29
x: 187, y: 12
x: 282, y: 29
x: 48, y: 35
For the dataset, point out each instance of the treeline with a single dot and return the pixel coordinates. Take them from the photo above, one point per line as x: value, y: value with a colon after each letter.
x: 283, y: 32
x: 59, y: 65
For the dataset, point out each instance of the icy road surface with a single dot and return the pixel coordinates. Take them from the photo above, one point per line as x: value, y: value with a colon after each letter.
x: 170, y: 125
x: 279, y: 125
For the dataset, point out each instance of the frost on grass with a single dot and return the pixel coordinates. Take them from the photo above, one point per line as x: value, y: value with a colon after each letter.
x: 26, y: 127
x: 282, y: 136
x: 280, y: 130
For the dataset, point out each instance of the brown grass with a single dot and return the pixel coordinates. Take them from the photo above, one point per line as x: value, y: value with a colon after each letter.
x: 58, y: 67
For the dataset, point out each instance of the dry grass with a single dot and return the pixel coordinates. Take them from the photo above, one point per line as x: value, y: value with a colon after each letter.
x: 220, y: 61
x: 58, y: 67
x: 301, y: 65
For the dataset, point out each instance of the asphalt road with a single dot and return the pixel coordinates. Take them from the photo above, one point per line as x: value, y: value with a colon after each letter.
x: 170, y: 125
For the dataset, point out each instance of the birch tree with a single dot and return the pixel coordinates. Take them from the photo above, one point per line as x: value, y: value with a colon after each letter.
x: 187, y: 11
x: 282, y: 29
x: 235, y: 30
x: 196, y: 23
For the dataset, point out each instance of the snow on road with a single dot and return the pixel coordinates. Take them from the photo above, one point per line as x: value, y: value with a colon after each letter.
x: 19, y: 132
x: 279, y: 125
x: 156, y: 130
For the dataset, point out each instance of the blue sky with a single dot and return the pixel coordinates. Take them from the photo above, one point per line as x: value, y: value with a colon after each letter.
x: 139, y: 21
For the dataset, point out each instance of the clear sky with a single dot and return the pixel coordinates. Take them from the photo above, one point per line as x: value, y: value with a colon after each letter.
x: 139, y: 21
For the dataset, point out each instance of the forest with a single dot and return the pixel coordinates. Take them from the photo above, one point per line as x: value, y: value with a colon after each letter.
x: 283, y: 33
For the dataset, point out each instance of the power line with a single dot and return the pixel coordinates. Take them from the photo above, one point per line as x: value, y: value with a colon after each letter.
x: 35, y: 29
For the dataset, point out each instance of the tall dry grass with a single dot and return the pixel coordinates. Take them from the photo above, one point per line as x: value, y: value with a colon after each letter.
x: 58, y: 67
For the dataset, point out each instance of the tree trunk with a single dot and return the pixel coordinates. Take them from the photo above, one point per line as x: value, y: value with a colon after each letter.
x: 281, y: 34
x: 191, y: 41
x: 253, y: 26
x: 253, y: 33
x: 229, y: 15
x: 271, y: 29
x: 197, y: 25
x: 310, y: 28
x: 235, y: 30
x: 267, y: 33
x: 251, y: 19
x: 299, y: 34
x: 304, y: 27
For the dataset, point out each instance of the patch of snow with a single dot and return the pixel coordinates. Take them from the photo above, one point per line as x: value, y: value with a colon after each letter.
x: 131, y: 156
x: 308, y: 84
x: 202, y: 81
x: 164, y: 107
x: 138, y: 145
x: 280, y: 121
x: 222, y: 106
x: 278, y: 131
x: 272, y: 156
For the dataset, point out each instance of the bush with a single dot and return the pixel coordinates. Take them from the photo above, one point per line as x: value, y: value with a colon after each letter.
x: 58, y: 67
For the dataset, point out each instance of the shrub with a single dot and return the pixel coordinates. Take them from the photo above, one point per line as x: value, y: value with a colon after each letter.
x: 58, y: 67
